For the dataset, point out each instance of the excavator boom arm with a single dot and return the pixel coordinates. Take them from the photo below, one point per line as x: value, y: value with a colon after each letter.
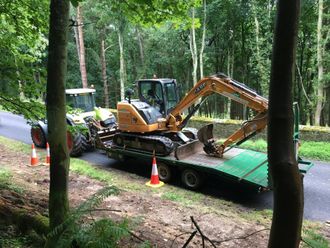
x: 227, y: 87
x: 224, y: 86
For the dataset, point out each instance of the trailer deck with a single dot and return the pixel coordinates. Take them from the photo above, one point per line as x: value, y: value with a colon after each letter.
x: 240, y: 165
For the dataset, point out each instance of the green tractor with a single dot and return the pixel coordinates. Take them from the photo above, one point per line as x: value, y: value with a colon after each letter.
x: 84, y: 120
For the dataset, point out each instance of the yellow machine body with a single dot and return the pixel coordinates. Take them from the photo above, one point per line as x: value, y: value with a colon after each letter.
x: 130, y: 120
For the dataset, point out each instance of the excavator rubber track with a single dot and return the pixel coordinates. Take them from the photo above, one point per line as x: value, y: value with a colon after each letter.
x: 162, y: 146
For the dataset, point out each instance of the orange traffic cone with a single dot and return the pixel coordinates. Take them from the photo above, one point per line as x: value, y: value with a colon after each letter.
x: 154, y: 181
x: 48, y: 155
x: 34, y: 158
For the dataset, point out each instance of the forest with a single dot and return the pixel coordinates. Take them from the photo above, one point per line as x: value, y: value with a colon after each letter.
x: 113, y: 45
x: 278, y: 48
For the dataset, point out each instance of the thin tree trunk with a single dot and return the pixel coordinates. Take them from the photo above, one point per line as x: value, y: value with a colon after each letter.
x: 259, y: 65
x: 82, y: 61
x: 193, y: 48
x: 76, y: 37
x: 104, y: 73
x: 56, y: 114
x: 141, y: 48
x: 201, y: 51
x: 122, y: 64
x: 320, y: 89
x: 283, y: 167
x: 20, y: 86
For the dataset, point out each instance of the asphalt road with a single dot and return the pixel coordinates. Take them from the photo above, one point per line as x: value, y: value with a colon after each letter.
x: 316, y: 182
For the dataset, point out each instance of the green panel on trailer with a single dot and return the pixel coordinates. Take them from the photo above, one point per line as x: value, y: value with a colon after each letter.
x: 249, y: 166
x: 245, y: 166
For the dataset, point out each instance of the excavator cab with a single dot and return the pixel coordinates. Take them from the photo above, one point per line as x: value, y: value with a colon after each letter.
x: 159, y: 93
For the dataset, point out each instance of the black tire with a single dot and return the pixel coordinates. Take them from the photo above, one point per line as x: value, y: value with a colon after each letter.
x: 87, y: 145
x: 38, y: 136
x: 191, y: 179
x: 77, y: 146
x: 164, y: 172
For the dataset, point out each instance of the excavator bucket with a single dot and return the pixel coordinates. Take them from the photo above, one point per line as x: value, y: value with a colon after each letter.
x: 205, y: 134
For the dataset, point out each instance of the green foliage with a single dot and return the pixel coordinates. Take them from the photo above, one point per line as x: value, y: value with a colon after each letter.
x: 313, y: 239
x: 6, y: 182
x: 15, y: 146
x: 9, y: 238
x: 315, y: 150
x: 23, y: 42
x: 308, y: 149
x: 30, y: 108
x: 84, y: 168
x: 156, y: 41
x: 73, y: 231
x: 102, y: 233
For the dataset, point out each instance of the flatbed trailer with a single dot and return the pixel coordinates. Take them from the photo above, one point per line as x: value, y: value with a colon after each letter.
x: 237, y: 165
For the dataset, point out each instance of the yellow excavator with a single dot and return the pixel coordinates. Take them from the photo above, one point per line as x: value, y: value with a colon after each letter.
x: 155, y: 122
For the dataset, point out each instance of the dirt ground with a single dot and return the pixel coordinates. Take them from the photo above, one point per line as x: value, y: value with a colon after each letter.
x: 163, y: 222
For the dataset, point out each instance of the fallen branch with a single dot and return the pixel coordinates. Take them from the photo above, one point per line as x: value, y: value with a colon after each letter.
x: 242, y: 237
x: 135, y: 236
x: 177, y: 236
x: 202, y: 235
x: 190, y: 238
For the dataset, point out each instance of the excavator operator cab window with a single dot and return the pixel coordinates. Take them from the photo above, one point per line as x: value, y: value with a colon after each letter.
x: 171, y: 95
x: 151, y: 92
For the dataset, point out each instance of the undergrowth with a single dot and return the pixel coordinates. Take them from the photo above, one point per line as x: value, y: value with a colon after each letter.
x: 76, y: 231
x: 5, y: 181
x: 313, y: 239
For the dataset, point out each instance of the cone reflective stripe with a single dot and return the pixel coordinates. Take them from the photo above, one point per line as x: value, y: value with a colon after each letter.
x: 154, y: 181
x: 34, y: 158
x: 48, y: 155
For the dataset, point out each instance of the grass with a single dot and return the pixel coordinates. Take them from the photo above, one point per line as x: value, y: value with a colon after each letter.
x: 15, y: 145
x: 185, y: 198
x: 311, y: 236
x: 308, y: 149
x: 315, y: 150
x: 6, y: 181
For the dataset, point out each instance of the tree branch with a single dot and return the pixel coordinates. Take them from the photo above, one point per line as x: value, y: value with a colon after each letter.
x: 242, y: 237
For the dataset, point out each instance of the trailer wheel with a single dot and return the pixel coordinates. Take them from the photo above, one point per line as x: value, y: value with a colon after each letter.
x: 164, y: 172
x: 38, y: 136
x: 191, y: 179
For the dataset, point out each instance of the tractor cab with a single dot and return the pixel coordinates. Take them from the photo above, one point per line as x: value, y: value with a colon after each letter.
x: 159, y: 93
x: 81, y: 99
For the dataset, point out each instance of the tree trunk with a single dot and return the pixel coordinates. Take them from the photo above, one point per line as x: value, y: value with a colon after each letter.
x: 122, y: 64
x: 56, y: 114
x: 104, y: 73
x: 320, y: 89
x: 201, y: 52
x: 193, y: 47
x: 141, y: 48
x: 283, y: 167
x: 76, y: 37
x: 81, y: 54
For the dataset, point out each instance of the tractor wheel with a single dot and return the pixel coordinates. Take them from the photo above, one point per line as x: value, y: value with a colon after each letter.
x: 164, y: 172
x: 75, y: 145
x: 191, y: 179
x: 38, y: 136
x: 87, y: 145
